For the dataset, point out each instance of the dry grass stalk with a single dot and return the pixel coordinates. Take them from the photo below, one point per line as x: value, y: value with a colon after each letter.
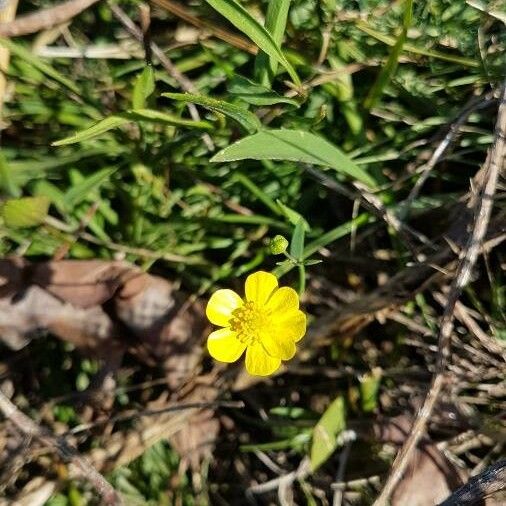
x: 483, y: 208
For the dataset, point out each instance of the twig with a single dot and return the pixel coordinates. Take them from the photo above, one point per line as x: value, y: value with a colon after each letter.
x: 66, y: 451
x: 183, y: 81
x: 479, y: 487
x: 44, y: 19
x: 153, y: 412
x: 426, y: 169
x: 373, y: 204
x: 301, y: 472
x: 348, y: 436
x: 494, y: 164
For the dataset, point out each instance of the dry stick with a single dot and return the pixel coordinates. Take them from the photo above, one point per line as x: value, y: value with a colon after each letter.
x: 426, y: 169
x: 184, y: 82
x: 494, y: 164
x: 350, y: 436
x: 45, y: 18
x: 373, y: 204
x: 122, y: 417
x: 109, y: 496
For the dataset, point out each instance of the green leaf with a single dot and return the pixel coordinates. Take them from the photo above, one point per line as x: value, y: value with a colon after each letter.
x: 292, y: 215
x: 390, y: 41
x: 294, y: 145
x: 325, y: 433
x: 369, y: 389
x: 94, y: 131
x: 275, y: 23
x: 390, y: 67
x: 7, y: 181
x: 144, y: 86
x: 245, y: 118
x: 22, y: 53
x: 246, y: 23
x: 297, y: 242
x: 117, y: 120
x: 25, y: 211
x: 154, y: 116
x: 256, y: 94
x: 82, y: 190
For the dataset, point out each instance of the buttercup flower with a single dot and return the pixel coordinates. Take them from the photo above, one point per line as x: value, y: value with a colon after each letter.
x: 266, y: 323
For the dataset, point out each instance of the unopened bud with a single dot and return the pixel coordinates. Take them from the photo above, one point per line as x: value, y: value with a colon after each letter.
x: 278, y: 245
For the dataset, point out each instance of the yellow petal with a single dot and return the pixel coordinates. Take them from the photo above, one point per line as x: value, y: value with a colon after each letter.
x: 282, y: 300
x: 224, y: 346
x: 220, y: 306
x: 290, y: 326
x: 259, y: 363
x: 279, y: 346
x: 259, y: 287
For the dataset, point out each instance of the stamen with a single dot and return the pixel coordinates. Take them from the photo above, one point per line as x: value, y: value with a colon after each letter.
x: 248, y: 321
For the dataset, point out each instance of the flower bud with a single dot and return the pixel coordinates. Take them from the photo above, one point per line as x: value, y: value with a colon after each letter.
x: 278, y: 245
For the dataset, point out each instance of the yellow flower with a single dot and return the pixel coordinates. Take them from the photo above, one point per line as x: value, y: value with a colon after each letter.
x: 267, y: 324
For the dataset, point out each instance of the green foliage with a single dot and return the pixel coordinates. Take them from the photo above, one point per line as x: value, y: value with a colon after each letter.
x: 25, y: 212
x: 245, y: 118
x: 261, y: 36
x: 143, y: 88
x: 145, y: 481
x: 275, y: 24
x: 294, y: 145
x: 325, y: 433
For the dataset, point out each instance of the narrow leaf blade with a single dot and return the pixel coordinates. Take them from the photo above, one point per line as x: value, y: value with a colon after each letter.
x: 81, y: 191
x: 24, y: 54
x: 297, y: 243
x: 245, y: 118
x: 143, y: 88
x: 247, y: 24
x: 325, y: 433
x: 256, y: 94
x: 275, y: 24
x: 94, y: 131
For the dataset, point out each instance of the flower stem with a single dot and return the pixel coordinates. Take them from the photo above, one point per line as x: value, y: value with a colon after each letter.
x: 302, y: 279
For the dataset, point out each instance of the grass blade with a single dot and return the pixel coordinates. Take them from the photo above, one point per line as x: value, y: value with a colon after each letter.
x: 94, y: 131
x: 22, y: 53
x: 275, y: 23
x: 143, y: 88
x: 390, y: 41
x: 115, y: 121
x: 297, y: 242
x: 82, y: 190
x: 256, y: 94
x: 245, y: 118
x: 390, y: 67
x: 246, y: 23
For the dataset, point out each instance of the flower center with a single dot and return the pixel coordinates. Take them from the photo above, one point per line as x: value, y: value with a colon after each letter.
x: 248, y: 321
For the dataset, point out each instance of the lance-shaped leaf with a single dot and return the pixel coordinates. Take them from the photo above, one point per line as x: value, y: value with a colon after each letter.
x: 294, y: 145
